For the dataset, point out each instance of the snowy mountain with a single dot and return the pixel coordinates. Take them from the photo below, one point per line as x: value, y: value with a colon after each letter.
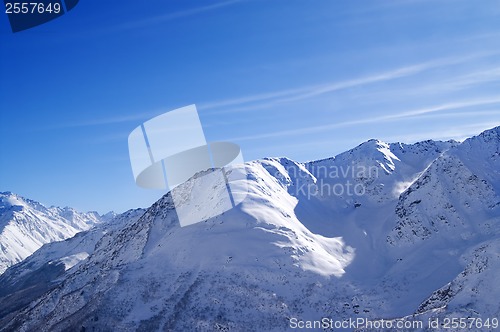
x: 399, y: 232
x: 44, y: 269
x: 25, y: 225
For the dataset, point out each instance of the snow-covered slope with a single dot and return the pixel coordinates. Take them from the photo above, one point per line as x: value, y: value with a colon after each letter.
x: 457, y: 196
x: 418, y: 240
x: 25, y: 225
x: 45, y: 268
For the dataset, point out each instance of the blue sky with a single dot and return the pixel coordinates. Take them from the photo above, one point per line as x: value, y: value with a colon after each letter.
x: 296, y: 78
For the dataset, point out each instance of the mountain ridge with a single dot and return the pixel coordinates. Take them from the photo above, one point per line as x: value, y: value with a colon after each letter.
x: 293, y: 250
x: 25, y: 225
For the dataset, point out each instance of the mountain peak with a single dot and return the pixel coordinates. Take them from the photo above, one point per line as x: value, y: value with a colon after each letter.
x: 291, y: 250
x: 489, y: 135
x: 25, y: 225
x: 9, y: 199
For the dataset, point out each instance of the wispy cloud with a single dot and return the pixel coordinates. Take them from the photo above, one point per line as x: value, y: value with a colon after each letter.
x: 265, y: 100
x: 445, y: 107
x: 451, y: 83
x: 459, y: 133
x: 483, y: 76
x: 379, y: 119
x: 176, y: 15
x: 106, y: 121
x: 271, y: 99
x: 138, y: 117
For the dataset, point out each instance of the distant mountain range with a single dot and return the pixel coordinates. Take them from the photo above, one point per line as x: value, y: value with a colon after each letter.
x: 25, y: 225
x: 399, y: 232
